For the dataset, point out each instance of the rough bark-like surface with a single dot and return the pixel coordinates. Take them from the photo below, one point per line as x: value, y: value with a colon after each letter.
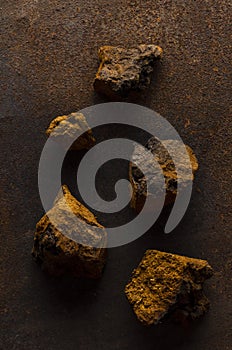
x: 60, y: 253
x: 161, y: 156
x: 65, y: 128
x: 167, y: 284
x: 123, y: 70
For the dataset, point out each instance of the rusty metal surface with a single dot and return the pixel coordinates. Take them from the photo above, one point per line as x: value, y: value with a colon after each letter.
x: 48, y: 55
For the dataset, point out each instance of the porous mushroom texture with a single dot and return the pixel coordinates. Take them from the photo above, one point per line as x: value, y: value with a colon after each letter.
x: 172, y: 178
x: 71, y: 131
x: 165, y: 283
x: 69, y: 240
x: 122, y: 70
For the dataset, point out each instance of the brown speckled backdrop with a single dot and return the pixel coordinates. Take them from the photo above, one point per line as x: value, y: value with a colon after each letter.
x: 48, y: 52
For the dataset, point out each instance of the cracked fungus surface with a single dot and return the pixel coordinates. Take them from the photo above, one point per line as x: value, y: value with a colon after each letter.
x: 171, y: 177
x: 64, y: 129
x: 163, y: 282
x: 122, y: 69
x: 58, y: 233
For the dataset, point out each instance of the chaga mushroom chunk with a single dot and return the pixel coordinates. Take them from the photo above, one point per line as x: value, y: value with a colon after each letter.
x: 167, y: 284
x: 123, y: 70
x: 69, y: 240
x: 161, y: 155
x: 64, y: 130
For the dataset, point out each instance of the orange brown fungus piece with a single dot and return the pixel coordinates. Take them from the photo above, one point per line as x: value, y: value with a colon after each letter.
x: 63, y: 129
x: 57, y: 246
x: 168, y: 284
x: 123, y: 70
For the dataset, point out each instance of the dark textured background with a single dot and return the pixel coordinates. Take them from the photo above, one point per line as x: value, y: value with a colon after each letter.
x: 48, y: 61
